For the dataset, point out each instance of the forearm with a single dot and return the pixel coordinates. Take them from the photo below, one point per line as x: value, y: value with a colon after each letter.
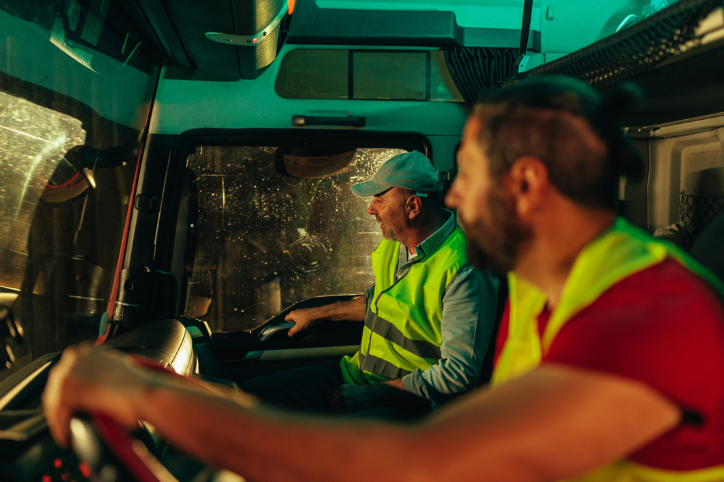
x: 396, y: 382
x: 494, y: 434
x: 469, y: 308
x: 350, y: 310
x: 248, y: 441
x: 442, y: 382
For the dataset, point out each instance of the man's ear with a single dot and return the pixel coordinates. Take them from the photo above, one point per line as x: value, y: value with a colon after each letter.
x: 527, y: 183
x: 413, y: 205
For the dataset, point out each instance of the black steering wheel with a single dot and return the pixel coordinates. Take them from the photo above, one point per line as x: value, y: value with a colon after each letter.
x: 115, y: 455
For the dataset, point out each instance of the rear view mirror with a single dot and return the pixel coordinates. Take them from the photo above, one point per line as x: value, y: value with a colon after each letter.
x: 313, y: 162
x: 74, y: 174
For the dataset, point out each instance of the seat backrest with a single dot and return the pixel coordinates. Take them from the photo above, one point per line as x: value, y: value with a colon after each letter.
x: 487, y: 371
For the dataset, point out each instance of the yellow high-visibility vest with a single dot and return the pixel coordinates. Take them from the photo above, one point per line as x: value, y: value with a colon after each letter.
x: 620, y: 252
x: 402, y: 326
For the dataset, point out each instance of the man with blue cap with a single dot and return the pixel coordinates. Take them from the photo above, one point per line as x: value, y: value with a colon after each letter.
x: 428, y: 317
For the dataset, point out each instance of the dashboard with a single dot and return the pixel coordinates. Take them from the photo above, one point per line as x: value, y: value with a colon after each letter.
x: 27, y: 451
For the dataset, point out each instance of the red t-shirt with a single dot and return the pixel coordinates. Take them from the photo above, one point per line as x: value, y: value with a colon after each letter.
x: 663, y: 326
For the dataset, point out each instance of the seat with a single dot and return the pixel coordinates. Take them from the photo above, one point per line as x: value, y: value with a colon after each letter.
x: 707, y: 248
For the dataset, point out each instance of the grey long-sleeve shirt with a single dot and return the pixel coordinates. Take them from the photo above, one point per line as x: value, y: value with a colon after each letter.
x: 468, y: 315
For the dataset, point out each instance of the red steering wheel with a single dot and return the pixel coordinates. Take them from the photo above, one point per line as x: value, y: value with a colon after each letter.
x: 110, y: 451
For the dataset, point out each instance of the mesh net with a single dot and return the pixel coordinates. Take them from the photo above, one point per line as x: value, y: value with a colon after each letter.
x: 696, y: 212
x: 634, y: 50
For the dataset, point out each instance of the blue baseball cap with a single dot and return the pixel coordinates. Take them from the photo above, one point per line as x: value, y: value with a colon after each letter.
x: 411, y: 170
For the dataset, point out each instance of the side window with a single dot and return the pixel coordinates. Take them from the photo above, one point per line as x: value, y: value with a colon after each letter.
x: 34, y: 140
x: 267, y: 241
x: 420, y: 75
x: 75, y: 89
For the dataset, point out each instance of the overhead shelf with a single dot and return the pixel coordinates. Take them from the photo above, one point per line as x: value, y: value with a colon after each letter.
x: 675, y: 56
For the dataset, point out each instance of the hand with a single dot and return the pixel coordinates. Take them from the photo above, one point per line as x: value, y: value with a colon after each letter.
x: 302, y: 319
x: 353, y: 398
x: 92, y: 381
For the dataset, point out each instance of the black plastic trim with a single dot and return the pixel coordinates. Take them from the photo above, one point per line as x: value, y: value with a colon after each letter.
x: 156, y: 16
x: 687, y: 86
x: 155, y: 165
x: 322, y: 26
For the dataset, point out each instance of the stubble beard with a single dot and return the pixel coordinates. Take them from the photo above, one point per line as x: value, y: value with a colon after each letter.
x: 388, y: 234
x: 493, y: 246
x: 391, y: 235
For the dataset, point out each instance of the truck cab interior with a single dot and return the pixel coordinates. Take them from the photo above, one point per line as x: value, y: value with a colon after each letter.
x: 174, y: 175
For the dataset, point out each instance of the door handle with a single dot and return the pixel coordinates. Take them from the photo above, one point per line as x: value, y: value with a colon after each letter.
x: 269, y: 331
x: 313, y: 120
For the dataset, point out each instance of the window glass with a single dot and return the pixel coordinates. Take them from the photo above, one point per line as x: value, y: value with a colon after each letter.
x: 314, y: 74
x: 267, y: 241
x: 374, y: 75
x: 76, y: 82
x: 34, y: 140
x: 408, y: 82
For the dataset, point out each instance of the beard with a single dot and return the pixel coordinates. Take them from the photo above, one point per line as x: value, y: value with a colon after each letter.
x: 493, y: 246
x: 388, y: 234
x: 401, y: 226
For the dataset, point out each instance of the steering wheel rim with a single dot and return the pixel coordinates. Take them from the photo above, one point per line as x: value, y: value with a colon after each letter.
x: 112, y: 453
x: 107, y: 447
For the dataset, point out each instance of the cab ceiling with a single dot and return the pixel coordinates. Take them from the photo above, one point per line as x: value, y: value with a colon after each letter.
x: 178, y: 27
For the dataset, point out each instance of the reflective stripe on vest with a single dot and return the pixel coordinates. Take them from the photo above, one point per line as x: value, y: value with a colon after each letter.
x: 620, y: 252
x: 402, y: 327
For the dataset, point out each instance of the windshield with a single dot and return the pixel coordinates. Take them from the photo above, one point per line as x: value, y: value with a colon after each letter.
x: 267, y: 241
x: 73, y: 104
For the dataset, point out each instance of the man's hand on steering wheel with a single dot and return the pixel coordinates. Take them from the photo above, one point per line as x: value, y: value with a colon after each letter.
x: 86, y: 380
x: 303, y: 319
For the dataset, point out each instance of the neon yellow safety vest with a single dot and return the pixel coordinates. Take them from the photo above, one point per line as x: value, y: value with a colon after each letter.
x: 402, y: 326
x: 620, y: 252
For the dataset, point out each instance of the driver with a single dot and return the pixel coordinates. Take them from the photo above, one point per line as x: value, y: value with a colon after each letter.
x: 610, y: 364
x: 428, y: 317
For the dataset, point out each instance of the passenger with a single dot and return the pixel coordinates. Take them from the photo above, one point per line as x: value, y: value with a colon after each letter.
x: 428, y: 317
x: 611, y: 359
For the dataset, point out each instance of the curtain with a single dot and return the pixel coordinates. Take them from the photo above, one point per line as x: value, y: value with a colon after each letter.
x: 474, y: 69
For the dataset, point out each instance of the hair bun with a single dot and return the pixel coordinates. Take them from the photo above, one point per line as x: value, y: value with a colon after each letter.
x: 619, y: 100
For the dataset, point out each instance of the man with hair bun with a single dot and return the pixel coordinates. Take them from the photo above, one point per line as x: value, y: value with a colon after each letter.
x: 610, y: 357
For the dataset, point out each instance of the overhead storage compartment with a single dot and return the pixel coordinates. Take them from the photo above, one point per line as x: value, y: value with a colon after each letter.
x: 675, y: 56
x: 220, y: 40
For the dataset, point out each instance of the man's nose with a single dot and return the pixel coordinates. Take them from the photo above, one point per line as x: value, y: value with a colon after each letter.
x: 371, y: 210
